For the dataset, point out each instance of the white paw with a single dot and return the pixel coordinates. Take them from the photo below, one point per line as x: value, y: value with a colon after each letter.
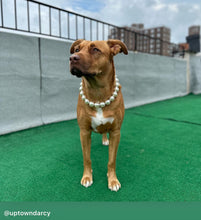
x: 115, y: 188
x: 106, y: 143
x: 87, y: 184
x: 114, y: 184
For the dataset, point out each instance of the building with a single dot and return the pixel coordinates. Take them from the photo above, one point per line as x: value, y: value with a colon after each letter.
x: 153, y: 40
x: 184, y: 46
x: 180, y: 50
x: 193, y: 30
x: 193, y: 39
x: 136, y: 27
x: 126, y: 34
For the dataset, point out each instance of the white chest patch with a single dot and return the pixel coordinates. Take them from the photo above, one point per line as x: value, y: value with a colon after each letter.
x: 100, y: 120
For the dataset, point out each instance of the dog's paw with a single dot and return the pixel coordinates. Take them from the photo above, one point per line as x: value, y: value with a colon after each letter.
x: 114, y: 185
x: 86, y: 181
x: 105, y: 142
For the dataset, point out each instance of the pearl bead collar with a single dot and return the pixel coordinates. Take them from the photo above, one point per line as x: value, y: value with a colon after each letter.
x: 102, y: 104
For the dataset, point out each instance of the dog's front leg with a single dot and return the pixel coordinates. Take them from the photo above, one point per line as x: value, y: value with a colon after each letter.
x: 113, y: 182
x: 85, y: 137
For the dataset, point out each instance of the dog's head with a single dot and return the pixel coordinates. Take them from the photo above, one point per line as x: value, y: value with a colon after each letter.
x: 90, y: 58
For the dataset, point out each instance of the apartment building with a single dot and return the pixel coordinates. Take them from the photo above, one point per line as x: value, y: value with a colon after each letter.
x: 192, y: 30
x: 153, y: 40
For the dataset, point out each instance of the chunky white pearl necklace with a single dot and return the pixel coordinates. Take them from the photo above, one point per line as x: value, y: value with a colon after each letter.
x: 102, y: 104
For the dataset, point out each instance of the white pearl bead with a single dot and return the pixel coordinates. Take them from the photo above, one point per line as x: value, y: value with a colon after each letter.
x: 86, y: 101
x: 117, y: 84
x: 115, y: 94
x: 81, y: 84
x: 117, y: 89
x: 83, y: 97
x: 80, y: 88
x: 97, y: 105
x: 91, y: 104
x: 107, y: 102
x: 102, y: 104
x: 112, y: 98
x: 117, y: 80
x: 81, y: 93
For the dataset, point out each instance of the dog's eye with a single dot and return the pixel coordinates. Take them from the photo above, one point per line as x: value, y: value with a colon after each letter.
x: 77, y: 50
x: 96, y: 49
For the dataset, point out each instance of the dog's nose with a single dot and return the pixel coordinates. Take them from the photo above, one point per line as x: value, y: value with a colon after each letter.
x: 74, y: 58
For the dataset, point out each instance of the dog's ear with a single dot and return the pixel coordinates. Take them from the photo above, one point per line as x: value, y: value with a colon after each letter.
x: 117, y: 46
x: 77, y: 42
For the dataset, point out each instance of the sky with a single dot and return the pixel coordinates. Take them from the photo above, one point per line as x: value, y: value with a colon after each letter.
x: 178, y: 15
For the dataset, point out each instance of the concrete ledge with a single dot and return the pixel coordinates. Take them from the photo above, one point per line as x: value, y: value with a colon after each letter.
x: 19, y: 83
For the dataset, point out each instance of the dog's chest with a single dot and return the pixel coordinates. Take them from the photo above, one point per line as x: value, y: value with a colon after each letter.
x: 99, y: 120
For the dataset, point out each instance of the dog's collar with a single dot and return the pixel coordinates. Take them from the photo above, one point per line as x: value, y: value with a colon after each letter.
x: 100, y: 104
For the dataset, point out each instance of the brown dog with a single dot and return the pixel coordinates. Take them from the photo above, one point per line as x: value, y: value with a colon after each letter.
x: 100, y: 104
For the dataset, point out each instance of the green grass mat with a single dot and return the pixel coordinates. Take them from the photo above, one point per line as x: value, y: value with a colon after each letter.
x: 158, y: 159
x: 186, y: 109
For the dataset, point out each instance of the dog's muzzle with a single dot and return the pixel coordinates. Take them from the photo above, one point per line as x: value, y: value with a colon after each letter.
x: 74, y: 59
x: 74, y: 67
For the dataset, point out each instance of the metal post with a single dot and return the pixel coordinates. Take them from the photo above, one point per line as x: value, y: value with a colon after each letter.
x: 76, y: 34
x: 15, y: 14
x: 59, y: 23
x: 96, y: 30
x: 50, y: 22
x: 103, y: 31
x: 39, y: 17
x: 68, y: 36
x: 28, y: 18
x: 90, y: 29
x: 83, y: 27
x: 2, y: 22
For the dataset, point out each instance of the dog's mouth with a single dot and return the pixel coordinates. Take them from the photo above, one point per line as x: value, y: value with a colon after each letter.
x: 76, y: 72
x: 79, y: 73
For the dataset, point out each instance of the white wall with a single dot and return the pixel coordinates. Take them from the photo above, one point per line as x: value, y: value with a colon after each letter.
x: 148, y: 78
x: 195, y: 73
x: 37, y: 88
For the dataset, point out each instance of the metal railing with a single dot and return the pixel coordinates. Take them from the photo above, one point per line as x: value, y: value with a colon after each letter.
x: 40, y: 18
x: 61, y: 23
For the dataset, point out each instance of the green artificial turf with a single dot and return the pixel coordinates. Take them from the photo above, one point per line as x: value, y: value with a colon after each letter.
x: 184, y: 109
x: 159, y: 158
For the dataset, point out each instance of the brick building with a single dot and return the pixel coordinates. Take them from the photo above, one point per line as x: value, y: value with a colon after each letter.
x: 153, y: 40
